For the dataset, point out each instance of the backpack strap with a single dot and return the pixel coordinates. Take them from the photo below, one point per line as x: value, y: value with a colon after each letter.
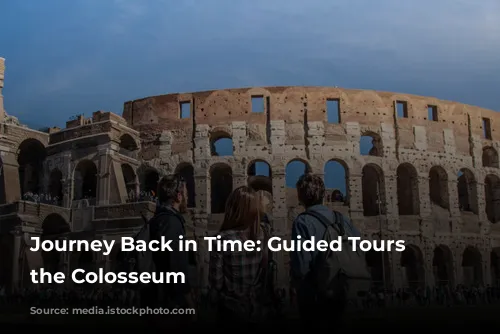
x: 338, y: 224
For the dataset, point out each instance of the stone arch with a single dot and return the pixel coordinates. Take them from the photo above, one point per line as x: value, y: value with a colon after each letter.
x: 221, y: 143
x: 407, y: 189
x: 128, y: 143
x: 370, y: 143
x: 56, y: 186
x: 373, y: 188
x: 467, y: 193
x: 53, y: 226
x: 186, y: 171
x: 30, y: 157
x: 412, y: 261
x: 438, y: 187
x: 260, y: 176
x: 129, y: 178
x: 294, y: 170
x: 85, y: 180
x: 149, y: 180
x: 378, y: 264
x: 221, y: 185
x: 472, y: 266
x: 495, y: 266
x: 336, y: 175
x: 3, y: 194
x: 492, y: 197
x: 490, y: 157
x: 442, y: 263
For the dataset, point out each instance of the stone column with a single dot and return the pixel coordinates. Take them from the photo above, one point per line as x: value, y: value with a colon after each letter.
x: 239, y: 137
x: 67, y: 192
x: 281, y: 224
x: 16, y: 257
x: 391, y: 202
x: 459, y: 271
x: 200, y: 221
x: 103, y: 180
x: 454, y: 205
x: 428, y: 253
x: 398, y: 272
x: 356, y: 199
x: 424, y: 195
x: 10, y: 173
x: 484, y: 223
x: 64, y: 262
x: 239, y: 174
x: 486, y: 266
x: 203, y: 204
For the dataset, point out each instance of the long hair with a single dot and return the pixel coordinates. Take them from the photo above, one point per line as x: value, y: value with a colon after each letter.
x: 243, y: 212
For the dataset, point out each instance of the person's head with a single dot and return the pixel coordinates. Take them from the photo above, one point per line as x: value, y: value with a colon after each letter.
x: 310, y: 190
x: 172, y: 191
x: 243, y: 211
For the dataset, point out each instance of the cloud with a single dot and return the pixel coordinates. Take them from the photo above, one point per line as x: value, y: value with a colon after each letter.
x: 124, y: 14
x: 134, y: 47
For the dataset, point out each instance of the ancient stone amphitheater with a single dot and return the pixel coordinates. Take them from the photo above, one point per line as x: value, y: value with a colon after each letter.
x: 431, y: 176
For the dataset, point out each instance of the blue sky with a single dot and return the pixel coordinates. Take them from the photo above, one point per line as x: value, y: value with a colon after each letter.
x: 70, y: 57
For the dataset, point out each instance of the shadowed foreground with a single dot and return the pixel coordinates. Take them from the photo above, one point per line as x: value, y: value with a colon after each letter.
x: 404, y: 318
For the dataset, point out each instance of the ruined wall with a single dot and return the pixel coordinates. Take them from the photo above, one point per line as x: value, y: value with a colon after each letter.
x: 431, y: 178
x: 421, y: 145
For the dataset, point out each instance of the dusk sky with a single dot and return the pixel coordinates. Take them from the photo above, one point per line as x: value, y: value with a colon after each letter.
x: 70, y: 57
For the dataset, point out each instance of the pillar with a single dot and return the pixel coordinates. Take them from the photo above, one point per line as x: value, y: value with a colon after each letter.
x: 355, y: 198
x: 424, y: 195
x: 454, y: 203
x: 428, y: 254
x: 16, y: 252
x: 281, y: 224
x: 239, y: 174
x: 103, y: 176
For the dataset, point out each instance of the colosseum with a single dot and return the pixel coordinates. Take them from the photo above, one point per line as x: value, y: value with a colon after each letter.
x: 430, y: 176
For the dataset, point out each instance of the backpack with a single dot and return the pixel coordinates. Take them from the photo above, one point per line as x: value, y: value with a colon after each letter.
x: 339, y: 277
x: 139, y: 261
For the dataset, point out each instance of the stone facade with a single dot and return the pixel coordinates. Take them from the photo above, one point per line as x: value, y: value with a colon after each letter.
x: 431, y: 177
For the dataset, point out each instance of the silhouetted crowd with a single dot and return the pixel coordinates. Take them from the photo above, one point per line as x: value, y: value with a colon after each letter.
x: 439, y: 295
x: 143, y: 196
x: 77, y: 297
x: 124, y: 297
x: 42, y: 198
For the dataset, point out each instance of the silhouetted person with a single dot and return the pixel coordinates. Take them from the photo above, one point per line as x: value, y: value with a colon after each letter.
x: 311, y: 193
x: 235, y: 276
x: 169, y: 223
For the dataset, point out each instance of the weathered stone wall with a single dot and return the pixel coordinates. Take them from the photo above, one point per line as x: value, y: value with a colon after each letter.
x: 294, y: 126
x: 415, y: 163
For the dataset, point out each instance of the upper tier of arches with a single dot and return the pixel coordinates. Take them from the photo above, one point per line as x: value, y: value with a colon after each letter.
x: 331, y: 105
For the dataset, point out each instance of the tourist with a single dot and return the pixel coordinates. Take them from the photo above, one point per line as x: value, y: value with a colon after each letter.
x: 168, y: 222
x: 234, y: 276
x: 311, y: 193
